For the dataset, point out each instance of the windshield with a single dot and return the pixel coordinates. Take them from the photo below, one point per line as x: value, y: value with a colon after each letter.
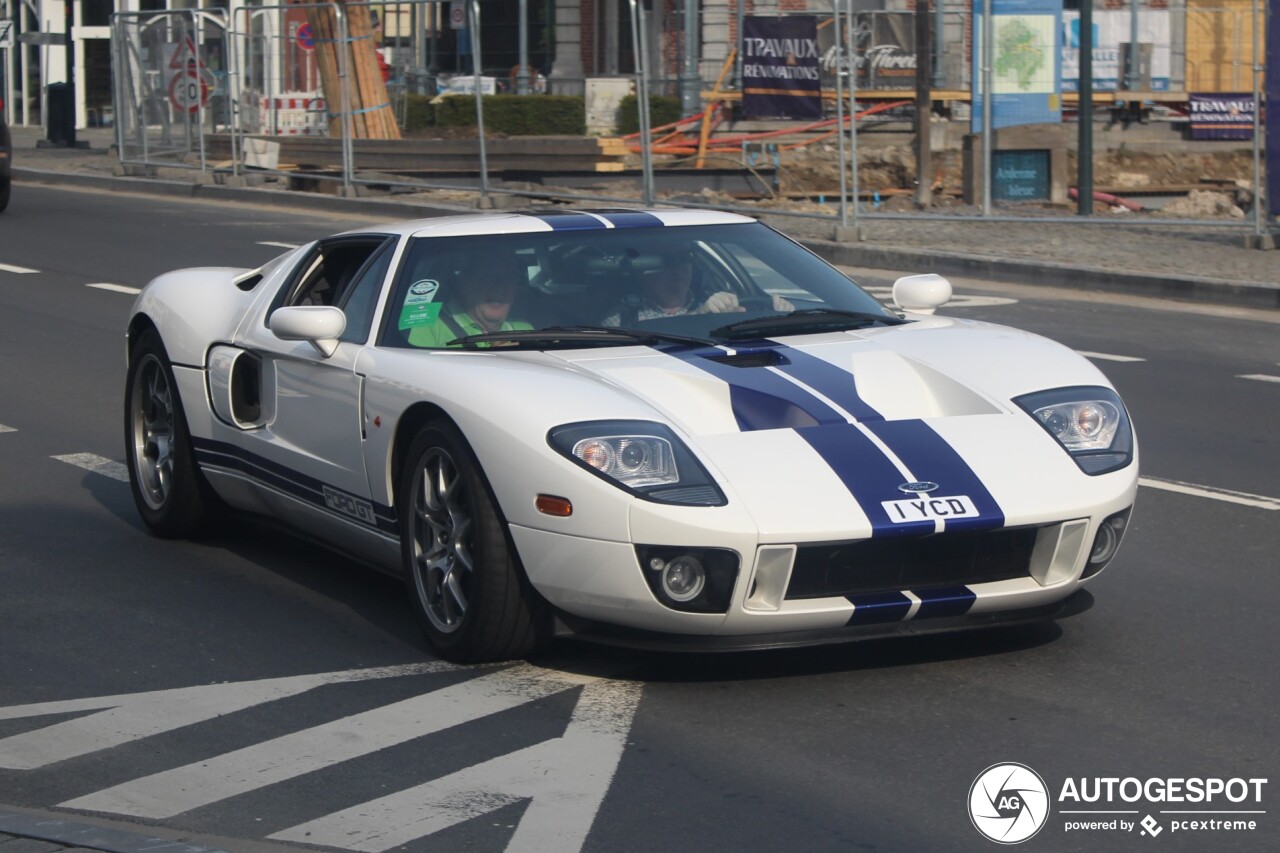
x: 713, y: 283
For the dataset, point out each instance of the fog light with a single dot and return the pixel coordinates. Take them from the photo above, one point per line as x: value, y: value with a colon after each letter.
x: 683, y: 578
x: 693, y: 580
x: 1107, y: 542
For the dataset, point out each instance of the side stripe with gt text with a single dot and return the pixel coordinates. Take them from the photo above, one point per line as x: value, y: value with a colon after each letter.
x: 219, y: 454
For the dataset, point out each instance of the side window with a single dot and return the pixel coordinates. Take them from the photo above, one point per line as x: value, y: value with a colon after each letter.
x: 361, y: 297
x: 324, y: 277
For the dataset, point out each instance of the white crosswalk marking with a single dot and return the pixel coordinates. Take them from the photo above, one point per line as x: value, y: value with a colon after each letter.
x: 117, y: 288
x: 97, y: 464
x: 135, y: 716
x: 18, y: 270
x: 173, y: 792
x: 4, y: 428
x: 1259, y: 377
x: 565, y: 778
x: 1106, y: 356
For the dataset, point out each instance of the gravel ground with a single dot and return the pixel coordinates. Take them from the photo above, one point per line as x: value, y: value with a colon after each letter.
x: 1111, y: 242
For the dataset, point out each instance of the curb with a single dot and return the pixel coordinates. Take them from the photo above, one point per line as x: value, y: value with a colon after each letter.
x: 1187, y: 288
x: 86, y: 837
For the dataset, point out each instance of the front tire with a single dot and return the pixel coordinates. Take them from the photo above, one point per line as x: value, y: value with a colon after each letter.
x: 168, y: 490
x: 472, y: 600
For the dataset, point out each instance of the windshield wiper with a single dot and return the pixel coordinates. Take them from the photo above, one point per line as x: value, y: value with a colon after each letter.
x: 574, y: 336
x: 805, y: 320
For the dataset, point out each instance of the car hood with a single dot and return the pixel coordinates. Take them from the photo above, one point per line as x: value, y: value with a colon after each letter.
x: 871, y: 413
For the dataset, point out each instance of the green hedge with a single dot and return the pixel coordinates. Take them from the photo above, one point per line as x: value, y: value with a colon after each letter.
x: 514, y: 115
x: 662, y: 110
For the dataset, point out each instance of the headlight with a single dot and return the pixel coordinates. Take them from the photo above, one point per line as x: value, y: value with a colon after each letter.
x: 646, y: 459
x: 1089, y: 422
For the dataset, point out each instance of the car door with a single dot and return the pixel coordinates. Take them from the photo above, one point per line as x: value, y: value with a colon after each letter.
x: 310, y: 430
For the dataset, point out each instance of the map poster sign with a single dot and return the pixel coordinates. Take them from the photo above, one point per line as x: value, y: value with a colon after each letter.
x: 780, y: 76
x: 1221, y: 116
x: 1026, y: 66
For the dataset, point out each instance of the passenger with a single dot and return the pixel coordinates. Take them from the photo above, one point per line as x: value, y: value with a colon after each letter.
x: 668, y: 292
x: 485, y: 287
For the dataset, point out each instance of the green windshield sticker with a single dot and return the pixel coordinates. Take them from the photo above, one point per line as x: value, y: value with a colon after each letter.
x: 420, y: 307
x: 419, y: 315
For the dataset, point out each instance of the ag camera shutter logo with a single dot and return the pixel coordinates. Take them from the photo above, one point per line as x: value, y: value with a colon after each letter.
x: 1008, y: 803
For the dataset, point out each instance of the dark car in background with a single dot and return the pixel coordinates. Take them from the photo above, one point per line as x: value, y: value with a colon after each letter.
x: 6, y: 156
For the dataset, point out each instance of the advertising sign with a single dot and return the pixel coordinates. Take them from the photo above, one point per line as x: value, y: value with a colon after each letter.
x: 1026, y: 63
x: 1111, y: 29
x: 1224, y: 116
x: 780, y: 76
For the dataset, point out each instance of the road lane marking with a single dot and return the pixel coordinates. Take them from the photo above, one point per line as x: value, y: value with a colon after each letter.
x: 4, y: 428
x: 1260, y: 377
x: 117, y: 288
x: 565, y: 780
x: 129, y: 717
x: 1227, y: 495
x: 1106, y: 356
x: 97, y: 464
x: 958, y: 300
x: 277, y: 245
x: 19, y: 270
x: 202, y: 783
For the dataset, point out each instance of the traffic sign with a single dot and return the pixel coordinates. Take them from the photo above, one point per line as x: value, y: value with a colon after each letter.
x: 188, y: 91
x: 6, y: 33
x: 305, y: 39
x: 457, y: 15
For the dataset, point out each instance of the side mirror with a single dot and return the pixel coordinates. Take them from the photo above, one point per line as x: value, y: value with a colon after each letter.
x: 319, y: 325
x: 922, y: 294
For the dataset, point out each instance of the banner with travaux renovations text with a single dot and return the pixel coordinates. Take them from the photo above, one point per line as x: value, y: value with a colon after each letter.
x: 780, y: 76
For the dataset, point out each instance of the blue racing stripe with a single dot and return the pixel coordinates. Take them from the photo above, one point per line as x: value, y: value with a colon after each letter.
x: 569, y: 221
x: 878, y: 607
x: 836, y: 383
x: 866, y: 472
x: 944, y: 601
x: 929, y: 457
x: 760, y: 399
x: 632, y: 219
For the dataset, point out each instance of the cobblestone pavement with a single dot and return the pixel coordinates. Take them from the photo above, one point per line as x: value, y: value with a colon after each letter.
x: 1209, y: 252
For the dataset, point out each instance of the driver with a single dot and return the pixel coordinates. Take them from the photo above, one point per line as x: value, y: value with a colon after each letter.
x: 668, y: 292
x: 486, y: 285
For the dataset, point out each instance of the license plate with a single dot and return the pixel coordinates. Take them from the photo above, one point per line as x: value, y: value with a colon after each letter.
x: 928, y: 509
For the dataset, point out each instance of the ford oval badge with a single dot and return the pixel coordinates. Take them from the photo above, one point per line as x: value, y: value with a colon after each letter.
x: 917, y: 488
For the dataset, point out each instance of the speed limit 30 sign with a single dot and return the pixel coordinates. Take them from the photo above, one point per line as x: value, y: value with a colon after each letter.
x: 188, y: 91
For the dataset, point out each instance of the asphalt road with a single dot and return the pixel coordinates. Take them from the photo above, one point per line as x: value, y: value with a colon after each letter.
x: 282, y: 696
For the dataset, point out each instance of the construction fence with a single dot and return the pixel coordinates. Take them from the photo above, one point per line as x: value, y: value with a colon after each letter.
x: 284, y: 92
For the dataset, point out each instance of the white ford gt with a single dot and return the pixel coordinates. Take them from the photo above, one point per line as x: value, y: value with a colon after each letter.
x: 667, y: 428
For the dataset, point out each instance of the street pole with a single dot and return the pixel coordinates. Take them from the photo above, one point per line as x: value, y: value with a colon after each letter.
x: 690, y: 81
x: 924, y: 106
x: 70, y: 141
x: 1084, y: 114
x: 988, y: 51
x: 522, y: 73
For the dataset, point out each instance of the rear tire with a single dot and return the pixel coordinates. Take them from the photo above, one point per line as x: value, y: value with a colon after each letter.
x: 471, y: 598
x: 168, y: 489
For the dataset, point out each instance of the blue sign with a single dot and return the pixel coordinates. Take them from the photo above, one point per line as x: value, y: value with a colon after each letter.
x: 1026, y: 63
x: 780, y: 75
x: 1020, y: 175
